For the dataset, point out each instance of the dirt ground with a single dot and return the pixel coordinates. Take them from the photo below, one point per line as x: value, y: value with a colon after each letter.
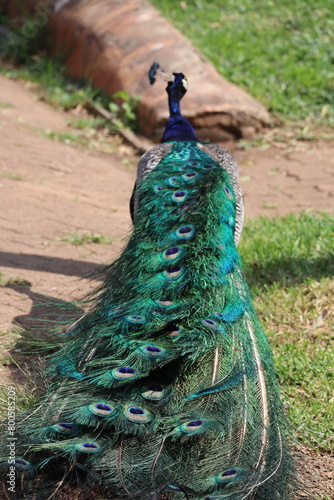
x: 51, y: 190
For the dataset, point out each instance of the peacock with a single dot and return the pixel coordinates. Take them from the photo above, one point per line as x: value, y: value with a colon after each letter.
x: 166, y: 387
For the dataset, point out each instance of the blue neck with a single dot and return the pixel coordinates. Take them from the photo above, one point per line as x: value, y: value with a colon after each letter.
x: 177, y: 127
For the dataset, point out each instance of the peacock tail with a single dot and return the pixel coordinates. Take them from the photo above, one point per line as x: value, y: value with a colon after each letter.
x: 166, y: 388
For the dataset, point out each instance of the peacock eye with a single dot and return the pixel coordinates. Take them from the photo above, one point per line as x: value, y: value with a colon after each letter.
x: 88, y: 447
x: 62, y: 429
x: 65, y: 427
x: 173, y: 271
x: 231, y: 472
x: 153, y: 392
x: 173, y: 253
x: 212, y: 276
x: 101, y: 409
x: 22, y: 464
x: 174, y: 332
x: 174, y: 181
x: 228, y: 475
x: 126, y: 370
x: 193, y: 426
x: 179, y: 196
x: 153, y: 351
x: 210, y: 324
x: 195, y: 423
x: 165, y: 302
x: 136, y: 319
x: 137, y: 414
x: 189, y: 176
x: 185, y: 232
x: 124, y: 373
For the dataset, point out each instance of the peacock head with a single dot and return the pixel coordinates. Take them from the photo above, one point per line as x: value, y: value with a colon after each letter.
x: 177, y: 127
x: 176, y: 88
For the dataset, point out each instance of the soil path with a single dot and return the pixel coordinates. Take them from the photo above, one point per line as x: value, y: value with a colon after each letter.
x: 51, y: 190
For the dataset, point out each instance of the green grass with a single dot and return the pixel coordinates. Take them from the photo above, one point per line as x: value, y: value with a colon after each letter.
x: 6, y: 105
x: 84, y: 122
x: 13, y: 176
x: 67, y: 137
x: 4, y: 281
x: 281, y: 52
x: 78, y: 239
x: 288, y: 250
x: 289, y: 264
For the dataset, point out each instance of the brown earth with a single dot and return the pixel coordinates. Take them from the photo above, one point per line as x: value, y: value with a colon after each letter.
x: 50, y: 190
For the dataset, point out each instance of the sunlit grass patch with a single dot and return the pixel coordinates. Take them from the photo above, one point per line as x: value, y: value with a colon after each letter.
x: 14, y: 176
x: 82, y: 239
x: 290, y: 266
x: 281, y: 52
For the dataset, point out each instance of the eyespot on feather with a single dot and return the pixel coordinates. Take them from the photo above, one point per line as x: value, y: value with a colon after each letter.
x: 165, y: 303
x: 154, y: 392
x: 124, y: 372
x: 228, y: 193
x: 22, y: 464
x: 174, y: 331
x: 87, y: 447
x: 185, y: 232
x: 153, y: 351
x: 137, y: 414
x: 189, y: 176
x: 173, y: 253
x: 228, y: 475
x: 179, y: 196
x: 64, y: 428
x: 174, y: 181
x: 232, y: 312
x: 192, y: 426
x: 173, y: 271
x: 209, y: 323
x: 136, y: 319
x: 102, y: 409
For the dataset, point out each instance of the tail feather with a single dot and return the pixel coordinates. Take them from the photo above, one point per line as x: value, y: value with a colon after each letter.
x: 166, y: 387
